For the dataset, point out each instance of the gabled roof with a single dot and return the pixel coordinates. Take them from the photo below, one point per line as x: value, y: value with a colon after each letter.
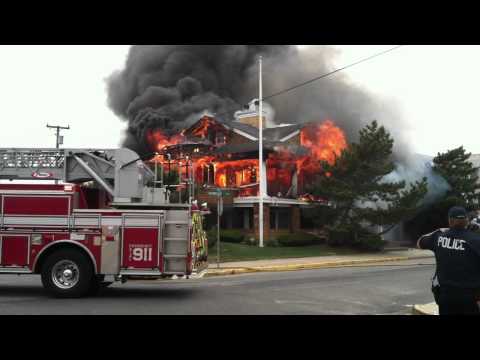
x: 245, y: 128
x: 205, y: 118
x: 278, y: 133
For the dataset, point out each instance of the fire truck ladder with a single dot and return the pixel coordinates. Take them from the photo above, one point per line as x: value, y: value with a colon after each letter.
x: 69, y: 165
x: 120, y: 172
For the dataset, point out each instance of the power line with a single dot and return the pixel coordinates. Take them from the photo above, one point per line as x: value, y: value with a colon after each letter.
x: 330, y: 73
x: 322, y: 76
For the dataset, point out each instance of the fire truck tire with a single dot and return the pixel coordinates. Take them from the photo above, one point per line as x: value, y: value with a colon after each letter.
x: 67, y: 273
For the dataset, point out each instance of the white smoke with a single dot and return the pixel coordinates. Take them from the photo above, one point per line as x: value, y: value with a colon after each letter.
x: 414, y: 168
x: 269, y: 115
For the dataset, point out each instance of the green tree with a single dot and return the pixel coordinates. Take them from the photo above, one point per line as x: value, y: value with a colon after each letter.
x: 461, y: 175
x: 356, y: 185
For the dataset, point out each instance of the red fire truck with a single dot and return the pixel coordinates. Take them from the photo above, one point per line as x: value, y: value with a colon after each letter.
x: 109, y: 220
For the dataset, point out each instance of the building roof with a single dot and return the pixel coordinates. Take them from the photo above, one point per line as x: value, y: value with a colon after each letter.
x: 272, y: 134
x: 277, y: 133
x: 280, y: 132
x: 248, y: 129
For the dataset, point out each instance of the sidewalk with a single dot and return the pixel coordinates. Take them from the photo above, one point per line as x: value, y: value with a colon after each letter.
x: 314, y: 262
x: 425, y: 309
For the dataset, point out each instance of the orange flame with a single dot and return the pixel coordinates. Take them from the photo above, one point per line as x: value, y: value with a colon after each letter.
x: 325, y: 141
x: 158, y: 140
x: 236, y: 173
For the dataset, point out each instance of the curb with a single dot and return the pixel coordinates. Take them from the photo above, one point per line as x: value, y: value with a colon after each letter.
x: 294, y: 267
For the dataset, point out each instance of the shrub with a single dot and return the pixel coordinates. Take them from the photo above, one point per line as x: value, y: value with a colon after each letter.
x: 228, y: 236
x: 231, y: 236
x: 371, y: 242
x: 298, y: 239
x: 272, y: 243
x: 250, y: 240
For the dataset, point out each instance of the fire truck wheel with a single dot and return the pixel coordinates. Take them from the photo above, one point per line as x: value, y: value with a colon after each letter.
x: 67, y: 273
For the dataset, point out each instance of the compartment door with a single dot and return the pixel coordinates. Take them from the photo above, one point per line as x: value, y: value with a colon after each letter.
x: 140, y: 248
x: 15, y: 250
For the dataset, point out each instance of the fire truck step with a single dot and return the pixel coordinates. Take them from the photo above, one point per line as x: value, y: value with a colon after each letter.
x: 140, y: 273
x: 12, y: 270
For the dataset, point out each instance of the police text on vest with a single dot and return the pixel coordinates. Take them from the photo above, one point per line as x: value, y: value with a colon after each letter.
x: 446, y: 242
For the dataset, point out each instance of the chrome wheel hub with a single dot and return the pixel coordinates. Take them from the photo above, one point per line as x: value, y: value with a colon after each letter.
x: 65, y: 274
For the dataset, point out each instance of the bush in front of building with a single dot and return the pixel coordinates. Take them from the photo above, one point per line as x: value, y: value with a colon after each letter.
x: 229, y: 236
x: 298, y: 239
x: 272, y: 243
x: 370, y: 242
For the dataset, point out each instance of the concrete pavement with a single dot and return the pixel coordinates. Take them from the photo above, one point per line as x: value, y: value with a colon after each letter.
x: 315, y: 262
x: 425, y: 309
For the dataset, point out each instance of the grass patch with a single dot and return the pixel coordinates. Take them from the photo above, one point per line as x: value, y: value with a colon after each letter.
x: 239, y: 252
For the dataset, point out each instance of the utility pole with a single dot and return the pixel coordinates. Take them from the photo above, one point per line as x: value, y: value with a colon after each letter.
x: 260, y: 156
x: 59, y: 138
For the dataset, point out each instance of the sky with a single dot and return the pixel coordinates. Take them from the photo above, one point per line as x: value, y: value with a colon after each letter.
x: 435, y: 87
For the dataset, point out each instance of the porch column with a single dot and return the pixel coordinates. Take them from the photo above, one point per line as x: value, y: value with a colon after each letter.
x: 295, y: 222
x: 246, y: 219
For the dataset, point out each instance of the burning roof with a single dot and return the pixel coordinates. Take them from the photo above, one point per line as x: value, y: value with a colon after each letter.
x: 222, y: 158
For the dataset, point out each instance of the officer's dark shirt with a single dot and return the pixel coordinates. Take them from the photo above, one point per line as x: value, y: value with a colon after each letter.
x: 457, y: 253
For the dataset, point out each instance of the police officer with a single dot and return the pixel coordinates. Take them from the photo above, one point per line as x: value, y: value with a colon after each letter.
x: 457, y: 253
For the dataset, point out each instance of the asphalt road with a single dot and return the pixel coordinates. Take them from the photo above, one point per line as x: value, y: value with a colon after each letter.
x: 390, y: 289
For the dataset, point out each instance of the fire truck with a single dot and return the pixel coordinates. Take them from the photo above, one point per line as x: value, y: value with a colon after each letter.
x: 106, y: 218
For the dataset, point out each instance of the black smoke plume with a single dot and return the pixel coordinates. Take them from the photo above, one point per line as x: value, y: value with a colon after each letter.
x: 170, y: 86
x: 182, y: 81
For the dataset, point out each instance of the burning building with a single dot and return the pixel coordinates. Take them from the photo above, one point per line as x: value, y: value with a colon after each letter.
x: 213, y: 153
